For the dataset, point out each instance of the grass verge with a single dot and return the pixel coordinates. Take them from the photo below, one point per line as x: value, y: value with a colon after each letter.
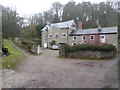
x: 8, y: 62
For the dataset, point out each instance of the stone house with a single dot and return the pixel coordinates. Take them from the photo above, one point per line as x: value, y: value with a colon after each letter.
x: 58, y: 32
x: 68, y: 32
x: 95, y: 36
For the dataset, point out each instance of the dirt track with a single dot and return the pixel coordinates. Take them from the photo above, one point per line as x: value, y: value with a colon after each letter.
x: 49, y: 71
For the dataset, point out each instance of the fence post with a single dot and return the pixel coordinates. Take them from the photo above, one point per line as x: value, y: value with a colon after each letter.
x: 62, y: 51
x: 38, y: 49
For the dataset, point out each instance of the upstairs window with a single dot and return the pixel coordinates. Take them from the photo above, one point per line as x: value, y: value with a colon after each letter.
x: 64, y: 35
x: 74, y: 37
x: 50, y: 36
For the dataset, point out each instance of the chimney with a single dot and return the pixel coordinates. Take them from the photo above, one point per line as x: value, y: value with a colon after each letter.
x: 99, y: 28
x: 48, y: 23
x: 79, y: 25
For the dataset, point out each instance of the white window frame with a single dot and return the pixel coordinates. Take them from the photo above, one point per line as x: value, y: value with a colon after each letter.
x: 44, y: 38
x: 93, y: 37
x: 50, y: 35
x: 55, y: 35
x: 102, y: 41
x: 74, y: 38
x: 73, y: 43
x: 63, y: 36
x: 82, y: 37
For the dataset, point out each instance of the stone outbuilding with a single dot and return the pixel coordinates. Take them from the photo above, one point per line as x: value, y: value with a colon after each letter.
x: 95, y: 36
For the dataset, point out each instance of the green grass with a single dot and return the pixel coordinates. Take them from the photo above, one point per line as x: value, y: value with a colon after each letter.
x: 16, y: 55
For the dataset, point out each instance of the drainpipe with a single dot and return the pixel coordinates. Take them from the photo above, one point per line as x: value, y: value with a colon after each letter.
x: 67, y: 33
x: 99, y: 30
x: 47, y: 38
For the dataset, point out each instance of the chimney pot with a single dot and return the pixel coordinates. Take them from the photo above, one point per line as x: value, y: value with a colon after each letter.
x: 79, y: 25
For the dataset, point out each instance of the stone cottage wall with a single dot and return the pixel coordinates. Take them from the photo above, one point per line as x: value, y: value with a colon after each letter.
x: 112, y: 39
x: 60, y: 39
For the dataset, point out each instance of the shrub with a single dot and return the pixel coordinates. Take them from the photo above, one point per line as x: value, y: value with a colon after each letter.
x: 53, y: 42
x: 6, y: 50
x: 15, y: 55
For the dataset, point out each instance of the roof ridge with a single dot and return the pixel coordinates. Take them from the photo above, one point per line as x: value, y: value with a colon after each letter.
x: 97, y: 28
x: 62, y: 22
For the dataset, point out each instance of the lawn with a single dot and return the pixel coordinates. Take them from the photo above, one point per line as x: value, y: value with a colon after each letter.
x: 16, y: 55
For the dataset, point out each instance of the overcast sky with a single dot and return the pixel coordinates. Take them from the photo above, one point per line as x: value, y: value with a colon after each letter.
x: 29, y: 7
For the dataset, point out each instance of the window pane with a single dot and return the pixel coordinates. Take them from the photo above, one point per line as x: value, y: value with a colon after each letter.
x: 84, y: 37
x: 64, y: 34
x: 102, y: 36
x: 56, y: 35
x: 92, y: 37
x: 74, y: 38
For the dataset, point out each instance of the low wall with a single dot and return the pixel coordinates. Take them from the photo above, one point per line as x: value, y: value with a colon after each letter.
x: 36, y: 49
x: 91, y: 54
x: 86, y: 54
x: 29, y: 46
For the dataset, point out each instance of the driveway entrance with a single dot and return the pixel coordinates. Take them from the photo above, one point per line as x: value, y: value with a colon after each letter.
x: 49, y: 71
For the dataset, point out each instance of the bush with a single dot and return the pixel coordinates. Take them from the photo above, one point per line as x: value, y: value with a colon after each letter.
x: 5, y: 51
x: 53, y: 42
x: 89, y: 47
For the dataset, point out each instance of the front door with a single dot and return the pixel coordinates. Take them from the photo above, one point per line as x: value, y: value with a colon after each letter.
x: 45, y: 45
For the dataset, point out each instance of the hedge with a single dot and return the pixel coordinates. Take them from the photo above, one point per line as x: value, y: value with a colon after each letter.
x: 89, y: 47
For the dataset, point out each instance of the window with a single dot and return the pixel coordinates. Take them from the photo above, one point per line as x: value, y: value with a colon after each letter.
x: 56, y: 35
x: 74, y: 37
x: 91, y: 37
x: 64, y: 35
x: 74, y: 43
x: 102, y: 38
x: 50, y: 36
x: 44, y: 38
x: 83, y: 37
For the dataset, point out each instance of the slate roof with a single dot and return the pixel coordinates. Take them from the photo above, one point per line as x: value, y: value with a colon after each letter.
x: 106, y: 30
x: 60, y: 25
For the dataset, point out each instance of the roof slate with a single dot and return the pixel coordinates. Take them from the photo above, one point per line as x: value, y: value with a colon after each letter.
x: 60, y: 25
x: 106, y: 30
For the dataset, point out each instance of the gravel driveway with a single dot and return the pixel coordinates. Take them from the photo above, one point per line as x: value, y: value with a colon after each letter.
x: 49, y: 71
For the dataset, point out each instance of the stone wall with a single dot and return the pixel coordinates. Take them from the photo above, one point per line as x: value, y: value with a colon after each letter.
x: 36, y: 49
x: 85, y: 54
x: 112, y: 39
x: 91, y: 54
x: 32, y: 47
